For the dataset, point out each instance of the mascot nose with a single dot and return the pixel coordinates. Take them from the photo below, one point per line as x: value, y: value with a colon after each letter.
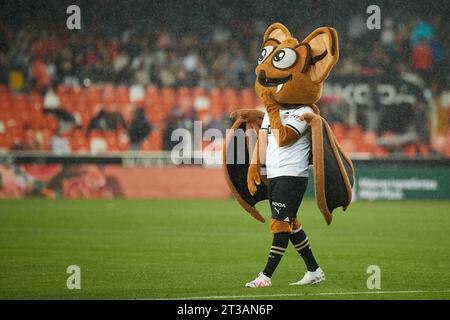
x: 262, y: 77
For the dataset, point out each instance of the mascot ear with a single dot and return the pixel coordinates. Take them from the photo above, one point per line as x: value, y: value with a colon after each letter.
x: 278, y: 32
x: 324, y: 46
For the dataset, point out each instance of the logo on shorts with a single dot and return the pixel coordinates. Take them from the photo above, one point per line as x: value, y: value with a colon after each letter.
x: 278, y: 204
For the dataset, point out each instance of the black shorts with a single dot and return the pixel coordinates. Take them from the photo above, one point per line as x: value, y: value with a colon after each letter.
x: 285, y: 196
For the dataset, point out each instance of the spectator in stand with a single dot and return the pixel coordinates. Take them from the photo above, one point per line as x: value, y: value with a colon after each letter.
x: 51, y: 99
x: 139, y: 128
x: 4, y: 69
x: 440, y: 60
x: 105, y: 120
x: 59, y: 144
x: 422, y: 59
x: 185, y: 53
x: 52, y: 105
x: 40, y: 75
x: 26, y: 141
x: 423, y: 31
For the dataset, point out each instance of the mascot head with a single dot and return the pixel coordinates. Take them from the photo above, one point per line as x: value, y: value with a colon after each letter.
x: 294, y: 70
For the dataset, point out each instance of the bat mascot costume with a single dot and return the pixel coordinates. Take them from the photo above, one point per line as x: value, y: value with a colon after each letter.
x: 267, y: 154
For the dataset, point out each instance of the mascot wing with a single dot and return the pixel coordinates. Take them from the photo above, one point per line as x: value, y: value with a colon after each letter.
x: 240, y: 141
x: 333, y: 170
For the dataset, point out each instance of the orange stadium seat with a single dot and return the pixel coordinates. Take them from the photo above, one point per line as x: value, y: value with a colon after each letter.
x: 20, y: 102
x: 247, y: 98
x: 184, y: 93
x: 4, y: 143
x: 168, y: 97
x: 24, y: 111
x: 123, y: 142
x: 446, y: 149
x: 156, y: 114
x: 92, y: 95
x: 75, y: 92
x: 152, y: 96
x: 349, y: 145
x: 424, y: 151
x: 5, y: 101
x: 381, y: 152
x: 410, y: 150
x: 199, y: 92
x: 231, y: 100
x: 153, y: 142
x: 121, y: 95
x: 217, y: 103
x: 51, y: 122
x: 78, y: 141
x: 111, y: 140
x: 339, y: 131
x: 369, y: 141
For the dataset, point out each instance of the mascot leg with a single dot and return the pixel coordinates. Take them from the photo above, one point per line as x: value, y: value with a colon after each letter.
x: 301, y: 243
x: 281, y: 231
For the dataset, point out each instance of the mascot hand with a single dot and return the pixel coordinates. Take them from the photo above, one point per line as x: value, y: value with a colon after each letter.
x: 269, y: 101
x: 253, y: 178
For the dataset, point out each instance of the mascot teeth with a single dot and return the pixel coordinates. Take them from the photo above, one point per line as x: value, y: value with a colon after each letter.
x: 279, y: 87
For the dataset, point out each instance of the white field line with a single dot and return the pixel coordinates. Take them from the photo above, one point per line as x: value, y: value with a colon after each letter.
x: 308, y: 294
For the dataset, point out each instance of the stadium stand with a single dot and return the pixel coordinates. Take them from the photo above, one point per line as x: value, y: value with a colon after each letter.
x: 88, y: 85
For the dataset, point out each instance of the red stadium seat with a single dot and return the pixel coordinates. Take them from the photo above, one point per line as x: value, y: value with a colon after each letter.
x: 339, y: 131
x: 156, y: 140
x: 424, y: 151
x: 153, y: 142
x: 217, y: 102
x: 370, y: 140
x: 121, y: 95
x: 20, y: 102
x: 247, y: 98
x: 51, y: 122
x: 349, y: 145
x: 152, y: 96
x: 92, y: 95
x: 79, y: 141
x: 111, y: 140
x: 381, y: 152
x: 168, y: 97
x: 410, y: 150
x: 184, y: 93
x: 123, y: 142
x: 231, y: 100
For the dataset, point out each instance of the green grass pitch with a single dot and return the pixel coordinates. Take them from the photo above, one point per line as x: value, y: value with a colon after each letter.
x: 150, y: 249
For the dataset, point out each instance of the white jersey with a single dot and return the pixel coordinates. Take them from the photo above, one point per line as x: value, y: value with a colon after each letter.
x: 291, y: 160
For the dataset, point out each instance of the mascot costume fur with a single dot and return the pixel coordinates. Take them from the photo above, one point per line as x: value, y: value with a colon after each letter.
x: 290, y: 136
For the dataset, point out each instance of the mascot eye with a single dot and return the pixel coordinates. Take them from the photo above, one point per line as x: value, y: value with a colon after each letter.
x: 265, y: 52
x: 284, y: 58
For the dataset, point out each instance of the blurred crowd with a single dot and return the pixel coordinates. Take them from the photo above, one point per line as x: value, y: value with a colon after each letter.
x: 223, y: 55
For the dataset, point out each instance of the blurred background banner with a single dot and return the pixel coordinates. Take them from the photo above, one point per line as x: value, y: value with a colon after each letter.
x: 91, y: 112
x: 147, y: 176
x: 111, y: 181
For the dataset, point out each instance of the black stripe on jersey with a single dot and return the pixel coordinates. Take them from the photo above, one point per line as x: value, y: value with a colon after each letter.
x: 294, y: 128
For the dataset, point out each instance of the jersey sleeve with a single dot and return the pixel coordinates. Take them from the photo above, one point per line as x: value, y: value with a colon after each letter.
x: 265, y: 123
x: 295, y: 123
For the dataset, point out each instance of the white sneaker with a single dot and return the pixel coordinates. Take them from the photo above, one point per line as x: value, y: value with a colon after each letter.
x: 261, y: 281
x: 311, y: 278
